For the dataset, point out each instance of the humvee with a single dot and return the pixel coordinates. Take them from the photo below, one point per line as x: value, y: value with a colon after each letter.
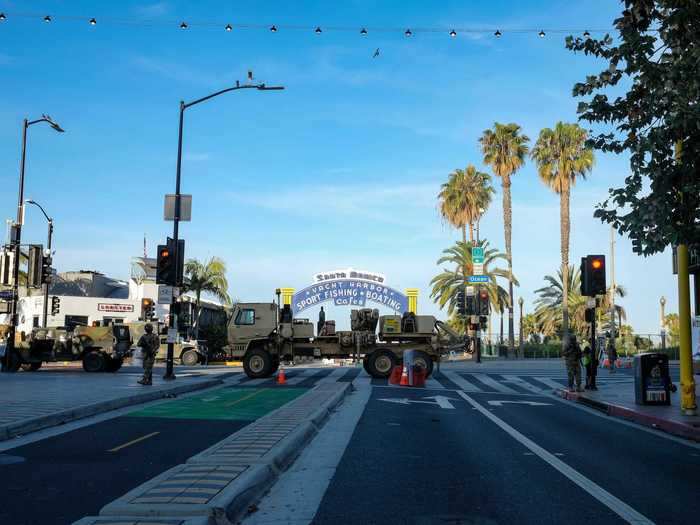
x: 189, y: 353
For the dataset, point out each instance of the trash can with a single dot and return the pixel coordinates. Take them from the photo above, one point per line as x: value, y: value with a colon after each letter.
x: 652, y: 382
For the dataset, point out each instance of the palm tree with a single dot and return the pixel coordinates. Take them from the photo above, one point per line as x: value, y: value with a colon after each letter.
x: 447, y: 283
x: 209, y: 278
x: 464, y: 197
x: 504, y: 148
x: 548, y: 306
x: 562, y: 156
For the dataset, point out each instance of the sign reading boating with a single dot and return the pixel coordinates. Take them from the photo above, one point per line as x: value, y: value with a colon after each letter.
x: 349, y: 287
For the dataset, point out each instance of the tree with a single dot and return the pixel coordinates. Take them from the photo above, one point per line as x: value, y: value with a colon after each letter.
x: 656, y: 53
x: 208, y: 278
x: 464, y: 197
x: 548, y: 306
x: 531, y: 328
x: 672, y: 326
x: 448, y: 283
x: 562, y: 156
x: 504, y: 149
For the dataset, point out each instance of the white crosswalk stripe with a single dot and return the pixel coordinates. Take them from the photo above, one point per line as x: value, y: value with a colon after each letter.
x: 518, y: 381
x: 461, y: 382
x: 500, y: 387
x: 333, y: 376
x: 303, y: 376
x: 549, y: 382
x: 433, y: 384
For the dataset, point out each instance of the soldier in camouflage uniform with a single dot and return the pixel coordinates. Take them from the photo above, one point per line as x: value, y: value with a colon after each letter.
x: 149, y: 343
x: 572, y: 355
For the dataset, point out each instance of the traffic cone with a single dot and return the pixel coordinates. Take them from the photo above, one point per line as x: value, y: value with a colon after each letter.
x: 395, y: 377
x: 404, y: 377
x: 281, y: 378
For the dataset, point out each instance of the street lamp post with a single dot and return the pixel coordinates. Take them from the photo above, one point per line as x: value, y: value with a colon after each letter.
x: 49, y: 220
x: 662, y: 301
x: 17, y: 238
x: 169, y: 374
x: 520, y: 336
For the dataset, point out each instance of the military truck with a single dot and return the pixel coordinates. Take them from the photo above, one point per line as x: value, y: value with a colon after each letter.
x: 100, y: 348
x: 262, y: 335
x: 188, y: 352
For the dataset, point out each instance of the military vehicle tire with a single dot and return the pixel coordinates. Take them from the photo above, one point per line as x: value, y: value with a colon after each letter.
x: 113, y: 364
x: 94, y: 361
x: 380, y: 363
x: 31, y: 367
x: 189, y: 357
x: 422, y: 359
x: 258, y: 363
x: 365, y: 363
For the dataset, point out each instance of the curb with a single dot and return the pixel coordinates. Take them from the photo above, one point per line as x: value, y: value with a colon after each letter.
x: 222, y: 481
x: 66, y: 416
x: 671, y: 427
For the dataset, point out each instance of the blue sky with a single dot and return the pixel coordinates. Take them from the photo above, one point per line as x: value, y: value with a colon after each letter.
x: 341, y: 169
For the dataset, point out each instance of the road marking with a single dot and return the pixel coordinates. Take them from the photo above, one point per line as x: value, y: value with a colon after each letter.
x: 441, y: 401
x: 618, y: 506
x: 303, y: 376
x: 133, y: 442
x: 461, y: 382
x: 523, y: 384
x: 244, y: 398
x: 494, y: 384
x: 549, y: 382
x: 333, y: 376
x: 500, y: 403
x: 433, y: 384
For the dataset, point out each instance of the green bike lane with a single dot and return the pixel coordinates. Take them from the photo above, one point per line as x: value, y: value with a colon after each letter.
x: 60, y: 479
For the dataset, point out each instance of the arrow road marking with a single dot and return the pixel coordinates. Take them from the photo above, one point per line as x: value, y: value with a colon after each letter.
x: 441, y: 401
x: 499, y: 403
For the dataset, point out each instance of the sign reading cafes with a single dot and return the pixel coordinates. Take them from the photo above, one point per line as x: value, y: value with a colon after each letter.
x: 349, y: 287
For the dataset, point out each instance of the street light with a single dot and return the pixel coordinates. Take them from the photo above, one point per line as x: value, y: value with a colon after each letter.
x: 176, y: 222
x: 48, y: 249
x: 520, y: 302
x: 662, y: 301
x: 17, y: 237
x: 478, y: 221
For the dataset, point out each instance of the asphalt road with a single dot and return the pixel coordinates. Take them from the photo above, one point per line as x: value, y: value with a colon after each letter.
x: 60, y: 479
x: 420, y: 463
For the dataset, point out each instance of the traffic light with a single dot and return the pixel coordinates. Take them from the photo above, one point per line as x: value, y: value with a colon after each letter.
x: 593, y: 275
x: 590, y: 315
x: 46, y: 269
x: 148, y: 310
x: 471, y: 305
x: 55, y: 305
x: 167, y: 270
x: 484, y: 302
x: 35, y: 256
x: 461, y: 303
x: 637, y: 246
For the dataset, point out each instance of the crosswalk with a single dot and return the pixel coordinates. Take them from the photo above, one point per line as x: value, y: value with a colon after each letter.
x: 503, y: 381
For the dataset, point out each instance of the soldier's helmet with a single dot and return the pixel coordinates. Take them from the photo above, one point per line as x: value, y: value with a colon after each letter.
x: 148, y: 328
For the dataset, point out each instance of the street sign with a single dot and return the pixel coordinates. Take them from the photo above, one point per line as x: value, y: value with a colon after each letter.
x: 478, y: 269
x: 165, y: 294
x: 172, y: 335
x: 531, y: 403
x: 478, y: 278
x: 441, y: 401
x: 590, y: 303
x: 185, y: 208
x: 477, y: 255
x: 471, y: 290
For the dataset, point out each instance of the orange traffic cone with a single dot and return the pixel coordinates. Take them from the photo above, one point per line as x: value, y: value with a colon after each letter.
x: 404, y: 377
x: 281, y: 379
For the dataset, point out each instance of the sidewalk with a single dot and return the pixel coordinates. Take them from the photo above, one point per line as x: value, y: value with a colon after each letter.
x: 33, y: 401
x: 617, y: 400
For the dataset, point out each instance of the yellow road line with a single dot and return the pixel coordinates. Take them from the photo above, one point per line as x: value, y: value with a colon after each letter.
x: 132, y: 442
x: 244, y: 398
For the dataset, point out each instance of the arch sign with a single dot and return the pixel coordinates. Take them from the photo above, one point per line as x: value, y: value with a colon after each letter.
x: 349, y: 288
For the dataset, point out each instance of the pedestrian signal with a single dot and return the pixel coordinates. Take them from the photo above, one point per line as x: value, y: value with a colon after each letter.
x: 55, y: 305
x: 165, y: 266
x: 484, y: 304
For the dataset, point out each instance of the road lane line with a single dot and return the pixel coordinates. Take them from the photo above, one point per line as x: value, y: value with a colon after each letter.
x: 524, y: 384
x: 494, y: 384
x: 133, y: 442
x: 618, y: 506
x: 461, y: 382
x: 549, y: 382
x: 244, y: 398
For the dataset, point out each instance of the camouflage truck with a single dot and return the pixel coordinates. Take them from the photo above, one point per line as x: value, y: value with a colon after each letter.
x: 262, y: 335
x: 187, y: 352
x: 100, y: 348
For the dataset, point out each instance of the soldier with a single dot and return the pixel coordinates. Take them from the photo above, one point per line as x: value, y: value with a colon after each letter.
x: 149, y: 344
x: 572, y: 355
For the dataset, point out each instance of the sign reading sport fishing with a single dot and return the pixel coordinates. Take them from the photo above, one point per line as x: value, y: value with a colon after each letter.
x: 349, y: 288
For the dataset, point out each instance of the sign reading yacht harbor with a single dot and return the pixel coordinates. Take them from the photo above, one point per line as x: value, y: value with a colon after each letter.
x: 349, y: 287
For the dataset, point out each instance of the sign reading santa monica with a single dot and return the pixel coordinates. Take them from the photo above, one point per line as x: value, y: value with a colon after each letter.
x: 349, y: 288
